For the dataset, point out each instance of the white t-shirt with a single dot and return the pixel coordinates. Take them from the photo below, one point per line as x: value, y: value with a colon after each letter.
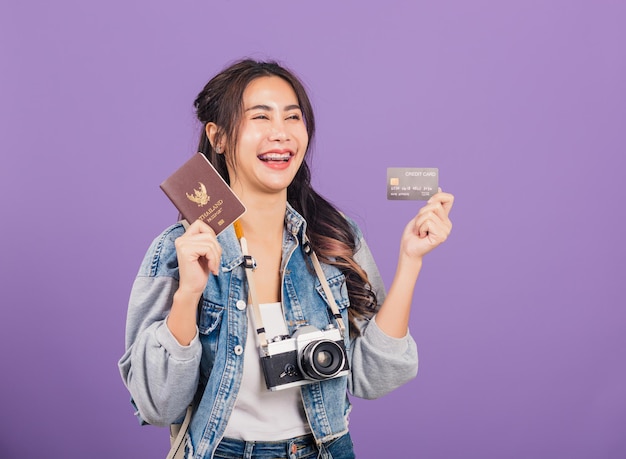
x: 260, y: 414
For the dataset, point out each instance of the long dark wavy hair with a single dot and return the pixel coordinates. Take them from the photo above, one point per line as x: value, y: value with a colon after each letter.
x: 331, y: 236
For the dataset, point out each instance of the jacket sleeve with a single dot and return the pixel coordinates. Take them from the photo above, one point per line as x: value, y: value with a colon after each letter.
x: 380, y: 363
x: 160, y: 374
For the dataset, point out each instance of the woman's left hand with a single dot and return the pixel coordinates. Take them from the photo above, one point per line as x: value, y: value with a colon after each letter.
x: 430, y: 227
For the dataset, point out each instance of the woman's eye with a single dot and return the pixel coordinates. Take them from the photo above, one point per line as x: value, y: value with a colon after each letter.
x: 294, y: 117
x: 260, y: 116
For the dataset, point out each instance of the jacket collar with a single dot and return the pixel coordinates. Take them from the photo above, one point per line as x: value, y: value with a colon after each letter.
x: 295, y: 226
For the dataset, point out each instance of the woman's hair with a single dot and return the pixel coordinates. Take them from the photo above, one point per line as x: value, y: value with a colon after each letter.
x: 332, y: 237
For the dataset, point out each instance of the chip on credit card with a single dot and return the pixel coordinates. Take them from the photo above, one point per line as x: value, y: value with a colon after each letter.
x: 412, y: 183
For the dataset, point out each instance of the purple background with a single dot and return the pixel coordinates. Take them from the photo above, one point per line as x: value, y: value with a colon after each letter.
x: 519, y: 317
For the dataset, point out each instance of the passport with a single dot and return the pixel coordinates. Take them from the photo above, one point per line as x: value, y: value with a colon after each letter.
x: 200, y: 193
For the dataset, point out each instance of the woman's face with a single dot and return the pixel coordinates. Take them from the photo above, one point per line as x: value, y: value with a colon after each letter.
x: 272, y: 138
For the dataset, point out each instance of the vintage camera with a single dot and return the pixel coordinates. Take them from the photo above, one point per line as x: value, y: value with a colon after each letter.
x: 309, y: 355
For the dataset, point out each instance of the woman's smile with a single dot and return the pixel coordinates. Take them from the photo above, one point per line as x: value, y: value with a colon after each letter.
x: 276, y: 159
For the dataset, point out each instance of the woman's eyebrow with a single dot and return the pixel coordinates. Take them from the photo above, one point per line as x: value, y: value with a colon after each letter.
x: 268, y: 108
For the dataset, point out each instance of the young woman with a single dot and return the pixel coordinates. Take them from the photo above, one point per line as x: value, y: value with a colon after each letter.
x: 191, y: 332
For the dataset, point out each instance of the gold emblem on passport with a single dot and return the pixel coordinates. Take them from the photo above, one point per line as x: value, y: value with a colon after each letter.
x: 199, y: 196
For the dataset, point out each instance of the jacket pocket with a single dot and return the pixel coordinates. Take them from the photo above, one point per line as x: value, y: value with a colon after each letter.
x: 209, y: 325
x: 338, y: 288
x: 210, y: 317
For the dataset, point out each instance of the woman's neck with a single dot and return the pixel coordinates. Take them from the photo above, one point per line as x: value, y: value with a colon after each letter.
x: 263, y: 225
x: 264, y: 218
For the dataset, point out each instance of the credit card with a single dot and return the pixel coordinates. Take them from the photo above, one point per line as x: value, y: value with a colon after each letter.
x: 412, y: 183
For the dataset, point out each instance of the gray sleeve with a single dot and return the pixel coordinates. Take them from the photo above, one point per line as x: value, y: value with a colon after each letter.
x: 380, y: 363
x: 160, y: 374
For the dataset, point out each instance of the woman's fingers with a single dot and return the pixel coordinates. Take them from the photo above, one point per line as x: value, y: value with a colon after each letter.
x: 199, y: 252
x: 446, y: 200
x: 430, y: 227
x: 199, y: 227
x: 435, y: 215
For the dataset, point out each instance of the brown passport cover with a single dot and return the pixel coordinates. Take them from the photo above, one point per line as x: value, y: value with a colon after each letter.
x: 199, y: 192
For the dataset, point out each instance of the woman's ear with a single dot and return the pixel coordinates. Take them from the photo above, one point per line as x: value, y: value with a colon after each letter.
x: 211, y: 130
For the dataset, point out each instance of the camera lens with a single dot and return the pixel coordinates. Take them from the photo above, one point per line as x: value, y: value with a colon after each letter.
x: 322, y: 359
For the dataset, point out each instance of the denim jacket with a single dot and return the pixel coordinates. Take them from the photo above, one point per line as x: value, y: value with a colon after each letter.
x: 163, y: 377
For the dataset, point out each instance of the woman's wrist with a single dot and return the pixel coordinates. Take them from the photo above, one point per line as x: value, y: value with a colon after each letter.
x: 182, y: 318
x: 409, y: 267
x: 186, y: 297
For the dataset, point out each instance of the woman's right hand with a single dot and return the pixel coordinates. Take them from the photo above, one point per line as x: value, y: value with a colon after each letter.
x: 198, y: 252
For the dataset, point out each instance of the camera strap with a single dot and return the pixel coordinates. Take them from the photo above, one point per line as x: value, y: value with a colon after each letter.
x: 329, y: 294
x: 250, y: 265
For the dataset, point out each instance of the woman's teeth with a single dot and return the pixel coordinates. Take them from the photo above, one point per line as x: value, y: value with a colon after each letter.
x: 275, y: 157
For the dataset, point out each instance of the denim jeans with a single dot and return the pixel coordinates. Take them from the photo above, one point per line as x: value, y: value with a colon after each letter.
x: 296, y: 448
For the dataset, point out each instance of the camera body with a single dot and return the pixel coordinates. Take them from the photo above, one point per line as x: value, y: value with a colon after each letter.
x: 309, y: 355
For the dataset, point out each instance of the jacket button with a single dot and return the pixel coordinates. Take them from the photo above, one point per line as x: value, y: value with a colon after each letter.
x: 241, y: 305
x: 238, y: 350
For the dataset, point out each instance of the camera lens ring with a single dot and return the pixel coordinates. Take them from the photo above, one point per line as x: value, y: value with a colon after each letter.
x: 322, y: 359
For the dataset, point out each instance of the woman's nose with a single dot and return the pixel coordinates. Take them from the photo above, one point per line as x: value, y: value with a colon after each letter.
x: 279, y: 131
